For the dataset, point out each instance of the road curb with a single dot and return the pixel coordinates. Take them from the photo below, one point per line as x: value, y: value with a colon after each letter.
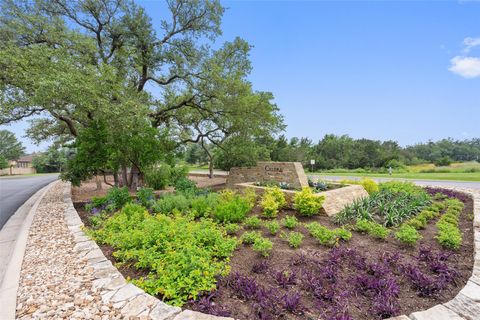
x: 11, y: 278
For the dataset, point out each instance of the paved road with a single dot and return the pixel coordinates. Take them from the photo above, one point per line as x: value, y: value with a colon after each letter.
x: 447, y: 183
x: 14, y: 191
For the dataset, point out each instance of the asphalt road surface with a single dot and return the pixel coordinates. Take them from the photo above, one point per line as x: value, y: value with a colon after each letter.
x: 14, y: 191
x: 438, y: 183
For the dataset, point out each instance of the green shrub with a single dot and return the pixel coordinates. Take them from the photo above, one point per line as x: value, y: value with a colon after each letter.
x: 374, y: 229
x: 204, y: 205
x: 96, y: 203
x: 277, y: 194
x: 185, y: 185
x: 231, y: 208
x: 249, y: 237
x: 250, y: 194
x: 294, y: 239
x: 178, y: 173
x: 307, y: 203
x: 343, y: 234
x: 118, y: 197
x: 253, y: 222
x: 187, y: 263
x: 232, y: 228
x: 157, y: 177
x: 448, y: 234
x: 401, y: 187
x: 326, y: 236
x: 273, y: 227
x: 290, y: 222
x: 270, y: 206
x: 368, y: 184
x: 170, y: 202
x: 145, y: 197
x: 408, y: 235
x: 262, y: 246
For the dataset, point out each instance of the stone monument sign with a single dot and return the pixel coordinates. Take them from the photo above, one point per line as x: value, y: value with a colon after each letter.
x: 265, y: 171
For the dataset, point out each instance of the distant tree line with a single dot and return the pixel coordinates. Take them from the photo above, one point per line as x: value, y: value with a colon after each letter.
x: 335, y: 151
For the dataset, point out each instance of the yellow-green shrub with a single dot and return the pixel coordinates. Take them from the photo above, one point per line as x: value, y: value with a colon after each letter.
x: 368, y: 184
x: 269, y: 205
x: 307, y: 203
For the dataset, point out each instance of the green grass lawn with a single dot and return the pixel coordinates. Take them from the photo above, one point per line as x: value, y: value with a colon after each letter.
x: 459, y: 176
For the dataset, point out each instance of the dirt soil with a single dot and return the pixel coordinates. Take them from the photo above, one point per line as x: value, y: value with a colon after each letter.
x: 88, y: 189
x: 359, y: 306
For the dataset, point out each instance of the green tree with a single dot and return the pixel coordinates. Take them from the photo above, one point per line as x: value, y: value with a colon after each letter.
x: 53, y: 160
x: 3, y: 162
x: 10, y: 147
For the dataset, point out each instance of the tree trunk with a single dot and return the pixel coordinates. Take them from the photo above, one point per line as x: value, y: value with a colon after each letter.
x: 210, y: 168
x: 115, y: 179
x: 99, y: 182
x: 134, y: 182
x: 124, y: 176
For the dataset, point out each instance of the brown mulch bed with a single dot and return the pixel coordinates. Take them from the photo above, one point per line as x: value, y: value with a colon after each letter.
x: 312, y: 254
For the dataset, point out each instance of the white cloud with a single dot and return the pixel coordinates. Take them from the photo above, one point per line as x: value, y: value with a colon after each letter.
x: 470, y: 43
x: 467, y: 67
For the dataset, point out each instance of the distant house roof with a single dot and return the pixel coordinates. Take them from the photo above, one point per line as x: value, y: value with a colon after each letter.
x: 26, y: 158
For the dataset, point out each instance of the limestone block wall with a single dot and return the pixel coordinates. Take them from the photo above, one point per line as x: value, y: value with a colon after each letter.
x: 264, y: 171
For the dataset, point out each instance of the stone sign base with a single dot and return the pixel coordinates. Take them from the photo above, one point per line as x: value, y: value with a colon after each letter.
x: 335, y: 200
x: 265, y: 171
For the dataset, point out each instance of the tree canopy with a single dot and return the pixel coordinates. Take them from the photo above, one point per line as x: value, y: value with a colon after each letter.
x: 10, y: 147
x: 85, y: 66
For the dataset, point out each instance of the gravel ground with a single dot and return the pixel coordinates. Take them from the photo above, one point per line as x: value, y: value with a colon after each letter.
x: 54, y: 281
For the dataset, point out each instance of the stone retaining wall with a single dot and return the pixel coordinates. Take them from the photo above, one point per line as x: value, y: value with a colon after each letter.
x: 335, y: 200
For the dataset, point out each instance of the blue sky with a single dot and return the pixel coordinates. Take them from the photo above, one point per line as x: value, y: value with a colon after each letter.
x: 407, y: 71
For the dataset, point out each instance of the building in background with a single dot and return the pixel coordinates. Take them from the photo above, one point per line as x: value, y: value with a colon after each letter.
x: 22, y: 165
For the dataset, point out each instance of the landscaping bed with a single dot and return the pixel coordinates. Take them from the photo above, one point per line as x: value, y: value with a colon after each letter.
x: 346, y: 277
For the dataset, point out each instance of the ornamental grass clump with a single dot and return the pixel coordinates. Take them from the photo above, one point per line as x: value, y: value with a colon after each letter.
x: 192, y: 255
x: 307, y: 203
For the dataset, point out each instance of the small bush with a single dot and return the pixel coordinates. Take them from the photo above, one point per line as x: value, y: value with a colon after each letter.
x: 273, y: 227
x: 307, y: 203
x: 145, y: 197
x: 231, y: 208
x: 232, y: 228
x: 250, y: 237
x: 270, y: 206
x: 408, y: 235
x: 170, y: 202
x: 449, y: 235
x: 294, y: 239
x: 368, y: 184
x: 178, y: 173
x: 118, y: 197
x: 185, y: 185
x: 203, y: 206
x: 158, y: 177
x: 326, y: 236
x: 401, y: 187
x: 262, y: 246
x: 343, y: 234
x: 250, y: 194
x: 290, y: 222
x: 277, y: 194
x: 253, y: 222
x: 374, y: 229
